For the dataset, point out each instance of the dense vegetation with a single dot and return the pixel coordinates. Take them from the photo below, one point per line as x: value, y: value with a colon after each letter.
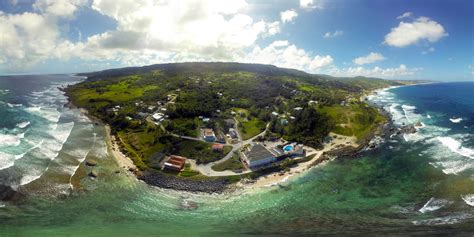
x: 252, y: 95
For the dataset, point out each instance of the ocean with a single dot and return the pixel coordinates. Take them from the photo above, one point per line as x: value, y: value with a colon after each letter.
x: 417, y: 184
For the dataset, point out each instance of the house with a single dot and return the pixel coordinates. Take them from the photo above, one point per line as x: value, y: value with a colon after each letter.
x: 298, y: 108
x: 206, y: 120
x: 158, y: 117
x: 283, y: 121
x: 274, y: 113
x: 217, y: 147
x: 174, y: 163
x: 257, y: 156
x: 142, y: 115
x: 232, y: 133
x: 209, y: 135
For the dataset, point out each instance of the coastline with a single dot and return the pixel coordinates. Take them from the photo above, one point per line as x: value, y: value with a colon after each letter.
x: 340, y: 146
x: 338, y: 142
x: 122, y: 160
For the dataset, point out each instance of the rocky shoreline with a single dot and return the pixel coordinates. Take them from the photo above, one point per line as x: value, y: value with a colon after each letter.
x: 161, y: 180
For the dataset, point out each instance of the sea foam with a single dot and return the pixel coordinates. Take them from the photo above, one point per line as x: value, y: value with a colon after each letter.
x: 434, y: 204
x: 11, y: 139
x: 456, y: 146
x: 23, y: 124
x: 468, y: 199
x: 455, y: 120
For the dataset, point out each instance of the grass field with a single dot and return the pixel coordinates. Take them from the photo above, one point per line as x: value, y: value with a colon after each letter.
x: 251, y: 128
x: 230, y: 164
x: 200, y: 151
x: 354, y: 120
x: 248, y: 128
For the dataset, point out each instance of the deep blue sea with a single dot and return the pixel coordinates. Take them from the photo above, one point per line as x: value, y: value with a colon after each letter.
x: 418, y: 184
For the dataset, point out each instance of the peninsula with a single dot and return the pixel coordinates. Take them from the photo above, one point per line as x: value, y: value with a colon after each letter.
x: 204, y: 126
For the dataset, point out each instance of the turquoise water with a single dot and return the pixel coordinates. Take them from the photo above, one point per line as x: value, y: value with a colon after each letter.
x: 288, y: 148
x: 419, y: 184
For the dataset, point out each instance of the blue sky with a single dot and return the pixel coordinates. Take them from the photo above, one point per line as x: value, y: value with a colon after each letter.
x: 394, y: 39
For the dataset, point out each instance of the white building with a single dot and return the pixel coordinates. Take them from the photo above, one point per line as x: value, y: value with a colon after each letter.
x: 257, y: 156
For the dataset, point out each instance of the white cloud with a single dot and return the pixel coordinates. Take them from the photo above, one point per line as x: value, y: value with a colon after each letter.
x: 284, y: 54
x: 429, y: 50
x: 59, y: 8
x: 333, y: 34
x: 147, y: 31
x: 26, y: 39
x: 288, y: 15
x: 397, y: 72
x: 405, y: 15
x: 370, y: 58
x: 273, y: 28
x: 471, y: 68
x: 311, y: 4
x: 407, y: 33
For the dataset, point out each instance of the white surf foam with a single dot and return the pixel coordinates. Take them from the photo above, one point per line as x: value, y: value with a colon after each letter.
x: 11, y: 139
x: 6, y: 160
x: 455, y: 120
x: 447, y: 220
x: 456, y: 146
x: 14, y: 105
x: 468, y: 199
x: 433, y: 204
x: 49, y: 150
x: 23, y: 124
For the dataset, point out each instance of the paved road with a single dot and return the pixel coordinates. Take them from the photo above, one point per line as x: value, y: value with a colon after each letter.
x: 206, y: 169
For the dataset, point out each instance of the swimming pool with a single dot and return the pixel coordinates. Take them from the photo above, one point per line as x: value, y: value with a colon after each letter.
x: 288, y: 148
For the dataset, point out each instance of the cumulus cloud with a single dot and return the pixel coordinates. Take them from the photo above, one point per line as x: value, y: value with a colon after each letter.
x: 407, y: 33
x: 370, y: 58
x: 396, y: 72
x: 405, y: 15
x: 284, y: 54
x: 149, y: 31
x: 288, y: 15
x: 26, y: 38
x: 311, y: 4
x: 333, y: 34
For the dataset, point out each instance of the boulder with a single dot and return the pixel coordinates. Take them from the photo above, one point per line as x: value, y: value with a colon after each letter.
x: 91, y: 162
x: 94, y: 174
x: 6, y: 193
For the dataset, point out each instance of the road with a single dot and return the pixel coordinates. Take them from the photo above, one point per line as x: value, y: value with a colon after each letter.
x: 206, y: 169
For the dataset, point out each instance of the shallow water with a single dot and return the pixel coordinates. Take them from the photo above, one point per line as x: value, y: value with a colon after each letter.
x: 422, y: 183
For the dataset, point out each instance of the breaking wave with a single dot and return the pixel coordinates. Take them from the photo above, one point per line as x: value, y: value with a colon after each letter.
x: 468, y: 199
x: 11, y: 139
x: 455, y: 120
x: 433, y: 204
x: 456, y: 147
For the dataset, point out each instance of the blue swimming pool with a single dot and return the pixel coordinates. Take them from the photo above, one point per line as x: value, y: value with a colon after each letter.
x: 288, y: 148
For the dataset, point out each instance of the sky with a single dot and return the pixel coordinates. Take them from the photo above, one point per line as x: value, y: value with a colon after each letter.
x: 393, y: 39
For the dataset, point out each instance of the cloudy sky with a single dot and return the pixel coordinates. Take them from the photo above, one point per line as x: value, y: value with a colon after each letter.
x: 391, y: 39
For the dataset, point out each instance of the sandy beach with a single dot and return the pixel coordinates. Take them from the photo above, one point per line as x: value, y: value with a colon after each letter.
x: 122, y: 160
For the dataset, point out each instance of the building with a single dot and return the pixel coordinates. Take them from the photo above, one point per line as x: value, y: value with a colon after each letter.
x: 257, y: 156
x: 217, y: 147
x: 175, y: 163
x: 158, y: 117
x: 232, y: 133
x: 209, y: 135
